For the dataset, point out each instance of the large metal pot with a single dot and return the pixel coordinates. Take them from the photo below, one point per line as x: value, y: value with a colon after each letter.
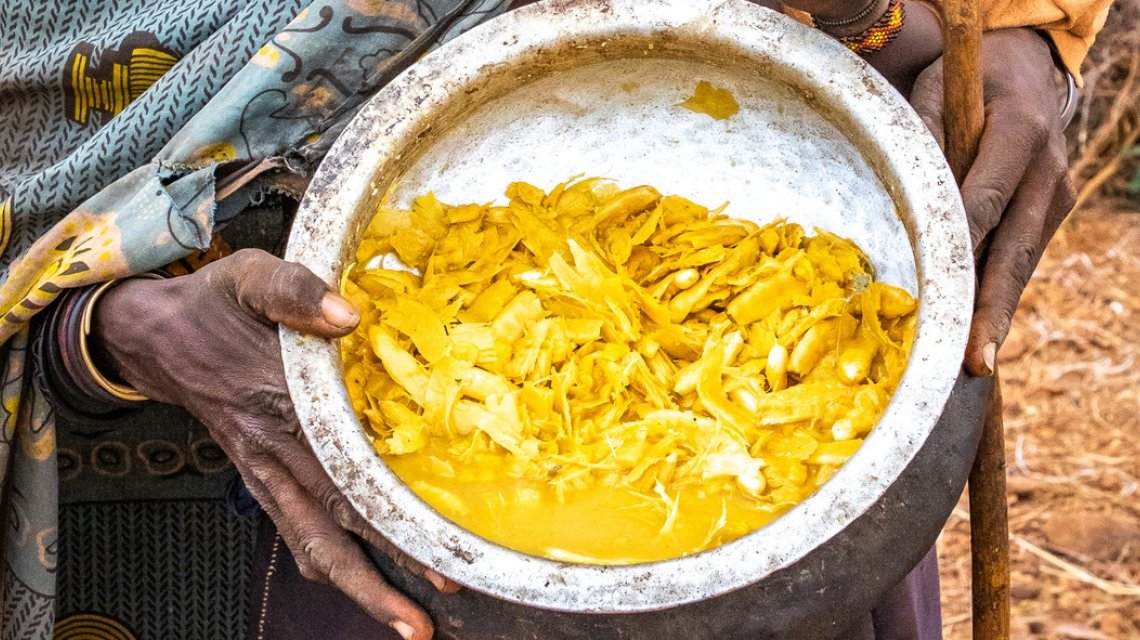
x: 590, y: 87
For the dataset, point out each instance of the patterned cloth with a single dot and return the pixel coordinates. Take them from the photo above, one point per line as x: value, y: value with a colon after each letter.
x: 119, y: 118
x: 148, y: 543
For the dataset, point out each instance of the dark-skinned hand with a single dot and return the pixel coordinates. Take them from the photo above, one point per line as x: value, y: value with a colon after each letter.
x: 208, y: 342
x: 1018, y: 191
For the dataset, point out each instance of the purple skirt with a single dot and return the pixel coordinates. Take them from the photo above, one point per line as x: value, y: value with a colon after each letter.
x: 288, y: 607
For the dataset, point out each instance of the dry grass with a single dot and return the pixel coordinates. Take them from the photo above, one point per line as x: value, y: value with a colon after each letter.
x: 1106, y: 135
x: 1071, y: 371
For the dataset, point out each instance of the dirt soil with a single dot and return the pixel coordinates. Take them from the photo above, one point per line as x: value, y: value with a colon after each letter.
x: 1071, y: 380
x: 1072, y: 399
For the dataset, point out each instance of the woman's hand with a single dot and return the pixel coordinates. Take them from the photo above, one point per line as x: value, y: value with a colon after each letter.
x: 208, y: 342
x: 1018, y: 191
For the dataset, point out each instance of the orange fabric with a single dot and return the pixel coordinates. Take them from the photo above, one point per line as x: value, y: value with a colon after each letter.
x: 802, y: 16
x: 1073, y: 24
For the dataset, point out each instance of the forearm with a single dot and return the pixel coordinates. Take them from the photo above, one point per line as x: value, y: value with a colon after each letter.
x: 842, y: 18
x: 918, y: 45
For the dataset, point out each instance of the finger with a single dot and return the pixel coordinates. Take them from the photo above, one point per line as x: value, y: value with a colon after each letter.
x: 289, y: 294
x: 1066, y: 196
x: 404, y: 561
x: 1009, y: 143
x: 298, y: 460
x: 1015, y: 249
x: 299, y: 529
x: 926, y: 98
x: 326, y: 553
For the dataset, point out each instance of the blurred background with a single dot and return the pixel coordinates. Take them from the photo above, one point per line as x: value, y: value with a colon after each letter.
x: 1071, y: 374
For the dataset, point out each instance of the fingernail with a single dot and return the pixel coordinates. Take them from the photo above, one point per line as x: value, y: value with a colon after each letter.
x: 989, y: 356
x: 338, y: 312
x: 404, y: 629
x: 439, y: 581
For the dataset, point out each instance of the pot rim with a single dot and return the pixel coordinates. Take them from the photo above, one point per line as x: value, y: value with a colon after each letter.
x: 918, y: 177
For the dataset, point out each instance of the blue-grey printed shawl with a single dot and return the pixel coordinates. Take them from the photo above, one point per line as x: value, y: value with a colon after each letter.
x: 115, y: 117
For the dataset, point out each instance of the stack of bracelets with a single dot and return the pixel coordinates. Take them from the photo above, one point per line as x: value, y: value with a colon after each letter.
x: 878, y: 35
x: 67, y: 373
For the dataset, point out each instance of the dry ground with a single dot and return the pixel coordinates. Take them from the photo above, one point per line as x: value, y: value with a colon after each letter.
x: 1072, y: 391
x: 1071, y: 372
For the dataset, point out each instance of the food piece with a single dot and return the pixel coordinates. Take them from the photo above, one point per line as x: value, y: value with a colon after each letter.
x: 713, y: 101
x: 776, y: 370
x: 854, y: 364
x: 614, y: 376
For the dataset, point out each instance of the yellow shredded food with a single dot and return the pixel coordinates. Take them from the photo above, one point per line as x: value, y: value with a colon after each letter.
x: 605, y: 376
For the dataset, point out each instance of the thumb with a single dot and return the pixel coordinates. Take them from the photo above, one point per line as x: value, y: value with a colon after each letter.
x: 926, y: 98
x: 276, y: 291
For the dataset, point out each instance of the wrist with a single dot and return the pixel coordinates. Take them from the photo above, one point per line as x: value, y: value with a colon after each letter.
x: 121, y: 321
x: 1064, y: 79
x: 67, y: 367
x: 850, y: 19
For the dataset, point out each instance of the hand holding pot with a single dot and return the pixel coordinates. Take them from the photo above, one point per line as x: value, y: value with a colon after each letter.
x: 208, y: 342
x: 1018, y: 191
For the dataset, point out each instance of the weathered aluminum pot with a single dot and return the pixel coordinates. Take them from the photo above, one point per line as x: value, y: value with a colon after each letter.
x: 590, y: 87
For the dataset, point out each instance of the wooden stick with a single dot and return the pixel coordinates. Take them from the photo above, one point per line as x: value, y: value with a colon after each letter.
x: 989, y: 528
x: 963, y: 119
x: 963, y: 108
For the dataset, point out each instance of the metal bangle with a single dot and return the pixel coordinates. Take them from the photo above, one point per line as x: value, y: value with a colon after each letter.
x: 120, y: 391
x: 1072, y: 97
x: 1072, y: 92
x: 862, y: 14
